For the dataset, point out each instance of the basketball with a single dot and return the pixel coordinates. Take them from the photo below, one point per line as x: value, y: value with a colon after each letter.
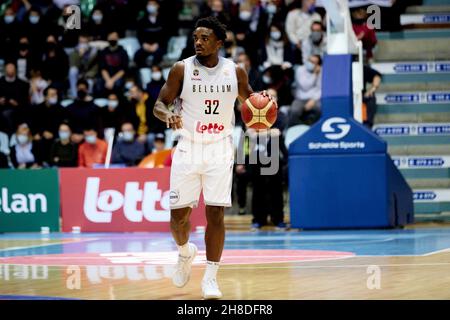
x: 259, y: 112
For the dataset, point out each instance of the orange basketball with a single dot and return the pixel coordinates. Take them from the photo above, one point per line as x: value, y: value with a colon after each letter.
x: 259, y: 112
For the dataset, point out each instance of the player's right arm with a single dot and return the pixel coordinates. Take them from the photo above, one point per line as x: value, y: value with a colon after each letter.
x: 170, y: 90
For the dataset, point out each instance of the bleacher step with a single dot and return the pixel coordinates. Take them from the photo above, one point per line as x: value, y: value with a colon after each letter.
x: 428, y: 149
x: 412, y: 50
x: 428, y: 9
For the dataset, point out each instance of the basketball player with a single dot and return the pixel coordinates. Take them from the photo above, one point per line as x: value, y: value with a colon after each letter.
x: 206, y: 87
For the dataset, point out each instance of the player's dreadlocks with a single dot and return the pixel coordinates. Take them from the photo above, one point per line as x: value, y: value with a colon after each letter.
x: 219, y: 29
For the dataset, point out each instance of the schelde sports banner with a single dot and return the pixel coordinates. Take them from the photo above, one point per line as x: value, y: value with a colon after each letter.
x: 118, y: 200
x: 29, y: 200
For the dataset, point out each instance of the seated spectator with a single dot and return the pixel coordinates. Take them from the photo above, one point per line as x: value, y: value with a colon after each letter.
x: 298, y: 24
x: 374, y: 78
x: 154, y: 86
x: 277, y: 50
x: 128, y: 150
x: 279, y: 79
x: 215, y: 8
x: 316, y: 43
x: 14, y: 98
x: 149, y: 54
x: 160, y: 142
x: 254, y: 77
x: 36, y: 29
x: 63, y: 152
x: 151, y: 26
x: 308, y: 81
x: 97, y: 27
x: 363, y: 32
x: 230, y: 47
x: 113, y: 64
x: 37, y: 87
x: 9, y: 33
x: 55, y: 63
x: 25, y: 59
x: 82, y: 112
x: 93, y: 150
x: 26, y: 153
x: 142, y: 117
x: 83, y: 64
x: 46, y: 118
x: 113, y: 114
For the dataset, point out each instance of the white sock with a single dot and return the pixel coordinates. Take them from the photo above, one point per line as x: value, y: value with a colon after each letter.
x: 211, y: 270
x: 184, y: 250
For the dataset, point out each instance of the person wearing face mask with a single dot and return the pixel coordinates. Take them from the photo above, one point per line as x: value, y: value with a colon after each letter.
x: 14, y: 98
x: 154, y: 86
x: 25, y: 59
x: 308, y: 83
x: 152, y: 27
x: 277, y: 50
x: 149, y: 54
x: 316, y: 43
x: 215, y: 8
x: 55, y: 63
x: 83, y: 64
x: 63, y: 152
x: 112, y: 115
x: 298, y: 24
x: 93, y: 150
x: 363, y: 32
x: 46, y: 118
x: 82, y: 112
x: 36, y: 29
x: 9, y: 33
x: 96, y: 26
x: 113, y: 64
x: 26, y: 153
x: 128, y: 150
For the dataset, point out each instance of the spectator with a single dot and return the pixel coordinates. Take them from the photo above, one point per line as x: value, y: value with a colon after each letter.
x: 82, y: 112
x: 298, y: 24
x: 9, y: 34
x: 25, y: 59
x: 93, y: 150
x: 26, y: 153
x: 151, y: 26
x: 142, y: 116
x: 374, y: 78
x: 14, y: 98
x: 230, y: 48
x: 35, y: 29
x: 254, y: 77
x: 113, y: 64
x: 113, y: 114
x: 4, y: 145
x: 157, y: 82
x: 215, y: 8
x: 363, y: 31
x: 316, y: 43
x: 46, y: 118
x: 97, y: 28
x: 83, y: 64
x: 279, y: 79
x: 55, y: 63
x: 149, y: 54
x: 276, y: 12
x: 159, y: 143
x: 277, y: 50
x: 128, y: 150
x: 37, y: 87
x: 63, y: 152
x: 308, y: 79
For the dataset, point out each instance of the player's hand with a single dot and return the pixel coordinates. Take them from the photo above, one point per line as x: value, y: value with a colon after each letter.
x: 266, y: 94
x: 174, y: 121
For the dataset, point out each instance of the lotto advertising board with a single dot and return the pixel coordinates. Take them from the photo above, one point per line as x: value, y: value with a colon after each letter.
x: 119, y: 200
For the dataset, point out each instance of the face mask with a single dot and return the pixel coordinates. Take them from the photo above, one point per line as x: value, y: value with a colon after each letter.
x: 228, y: 44
x: 266, y: 79
x: 83, y: 46
x: 10, y: 79
x: 128, y: 85
x: 245, y: 15
x: 51, y: 46
x: 156, y: 76
x: 316, y: 36
x: 112, y: 43
x: 90, y: 139
x: 311, y: 9
x: 128, y: 135
x: 52, y: 101
x: 271, y: 8
x: 97, y: 18
x: 152, y: 9
x: 242, y: 65
x: 22, y: 138
x: 359, y: 21
x: 34, y: 19
x: 310, y: 66
x: 9, y: 19
x: 64, y: 135
x: 275, y: 35
x: 81, y: 94
x: 23, y: 46
x: 113, y: 104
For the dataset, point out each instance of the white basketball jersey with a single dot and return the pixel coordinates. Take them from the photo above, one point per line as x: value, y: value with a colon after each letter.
x: 207, y: 100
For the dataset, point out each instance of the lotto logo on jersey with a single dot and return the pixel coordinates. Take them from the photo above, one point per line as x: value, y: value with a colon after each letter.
x: 213, y: 128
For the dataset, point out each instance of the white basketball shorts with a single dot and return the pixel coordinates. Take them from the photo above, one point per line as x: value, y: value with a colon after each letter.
x: 199, y: 166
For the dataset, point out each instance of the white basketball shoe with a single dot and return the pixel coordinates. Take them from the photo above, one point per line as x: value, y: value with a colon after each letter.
x: 183, y: 268
x: 210, y: 289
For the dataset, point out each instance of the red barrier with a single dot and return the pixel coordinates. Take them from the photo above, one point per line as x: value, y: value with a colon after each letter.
x: 118, y: 200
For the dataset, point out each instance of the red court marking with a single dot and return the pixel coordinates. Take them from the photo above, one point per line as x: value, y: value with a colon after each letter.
x: 168, y: 258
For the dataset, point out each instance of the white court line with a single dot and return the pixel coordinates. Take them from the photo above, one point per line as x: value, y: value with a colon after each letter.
x: 343, y: 266
x: 435, y: 252
x: 41, y: 245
